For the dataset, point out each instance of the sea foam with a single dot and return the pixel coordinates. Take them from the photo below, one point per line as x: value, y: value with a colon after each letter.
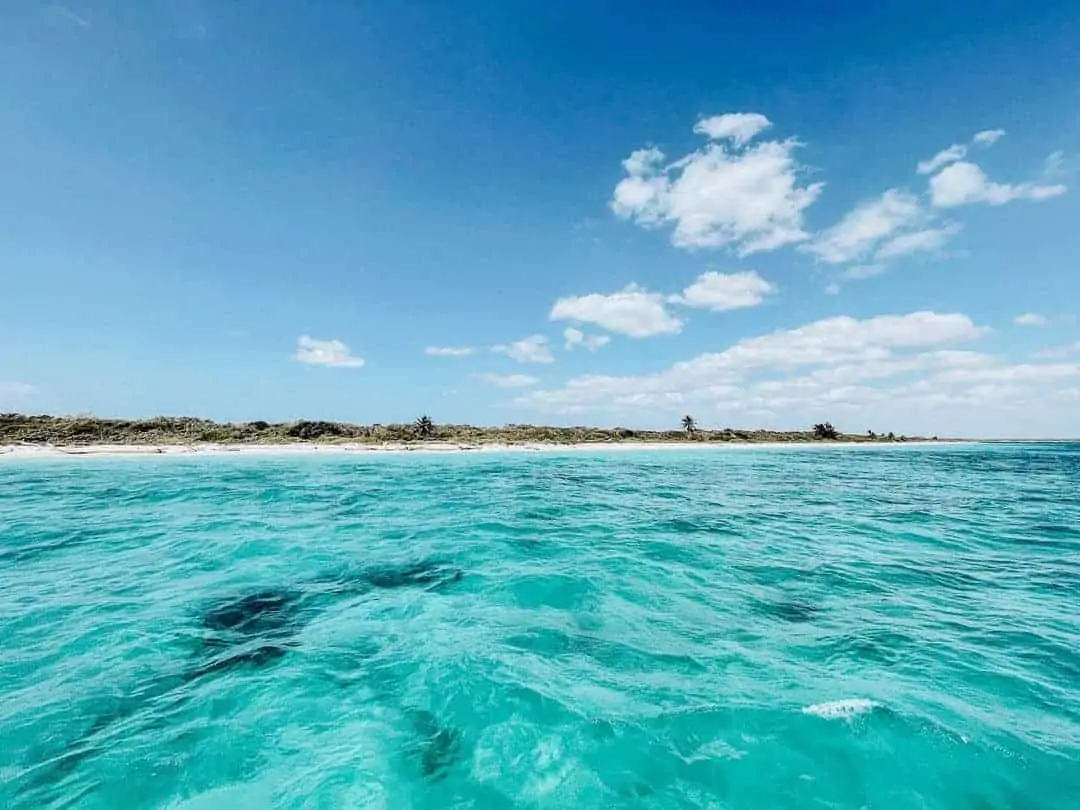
x: 845, y: 709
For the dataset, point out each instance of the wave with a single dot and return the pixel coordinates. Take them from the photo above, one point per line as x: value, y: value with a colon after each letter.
x: 842, y: 709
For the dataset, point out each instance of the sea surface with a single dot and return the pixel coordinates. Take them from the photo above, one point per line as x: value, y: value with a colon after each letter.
x: 848, y: 628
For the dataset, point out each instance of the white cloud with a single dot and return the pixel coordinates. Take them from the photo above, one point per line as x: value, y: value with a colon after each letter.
x: 833, y: 342
x: 720, y: 195
x: 843, y: 337
x: 1054, y: 165
x: 1024, y: 372
x: 965, y: 183
x: 958, y: 151
x: 508, y: 380
x: 633, y: 311
x: 943, y: 158
x: 723, y: 291
x: 326, y: 353
x: 739, y: 128
x: 57, y: 14
x: 988, y: 137
x: 833, y: 289
x: 862, y: 271
x: 572, y: 338
x: 532, y: 349
x: 1031, y: 319
x: 855, y: 236
x: 927, y: 240
x: 13, y: 390
x: 1059, y: 351
x: 449, y: 351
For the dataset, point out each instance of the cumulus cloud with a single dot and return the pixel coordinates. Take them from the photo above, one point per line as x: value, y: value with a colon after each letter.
x: 723, y: 291
x: 988, y: 137
x: 831, y: 343
x: 943, y: 158
x: 449, y: 351
x: 844, y: 337
x: 1031, y: 319
x: 507, y: 380
x: 739, y: 128
x: 964, y: 183
x: 633, y: 311
x: 532, y: 349
x: 726, y: 194
x: 326, y: 353
x: 573, y: 338
x: 861, y: 230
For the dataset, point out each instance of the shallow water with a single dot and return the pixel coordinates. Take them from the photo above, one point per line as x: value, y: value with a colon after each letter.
x: 761, y: 628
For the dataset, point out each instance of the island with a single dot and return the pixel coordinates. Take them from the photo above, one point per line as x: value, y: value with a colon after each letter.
x: 167, y: 433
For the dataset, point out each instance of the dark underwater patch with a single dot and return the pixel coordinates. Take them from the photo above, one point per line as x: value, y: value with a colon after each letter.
x: 253, y: 613
x: 794, y: 610
x: 439, y: 747
x: 258, y: 629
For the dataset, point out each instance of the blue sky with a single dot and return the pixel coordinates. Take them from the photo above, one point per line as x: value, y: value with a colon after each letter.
x: 278, y: 210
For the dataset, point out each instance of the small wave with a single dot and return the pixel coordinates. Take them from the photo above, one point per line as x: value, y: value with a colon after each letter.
x: 841, y: 708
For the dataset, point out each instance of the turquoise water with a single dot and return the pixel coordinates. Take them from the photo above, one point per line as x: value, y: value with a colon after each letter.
x: 795, y: 628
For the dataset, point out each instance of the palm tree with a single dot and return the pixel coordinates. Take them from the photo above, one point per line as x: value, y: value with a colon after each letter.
x: 424, y: 427
x: 688, y: 424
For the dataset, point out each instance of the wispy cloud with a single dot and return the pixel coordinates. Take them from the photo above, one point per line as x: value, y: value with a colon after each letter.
x: 958, y: 151
x: 1059, y: 351
x: 881, y: 230
x: 575, y: 338
x: 332, y: 353
x: 1031, y: 319
x: 507, y: 380
x: 988, y: 137
x: 861, y: 230
x: 862, y: 271
x: 882, y: 225
x: 532, y: 349
x: 927, y: 240
x: 62, y: 15
x: 943, y: 158
x: 449, y: 351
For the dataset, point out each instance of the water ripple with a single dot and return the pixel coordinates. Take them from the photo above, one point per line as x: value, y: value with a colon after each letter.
x: 774, y: 628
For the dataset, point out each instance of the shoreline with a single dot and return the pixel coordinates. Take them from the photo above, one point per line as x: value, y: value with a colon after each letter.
x: 23, y: 451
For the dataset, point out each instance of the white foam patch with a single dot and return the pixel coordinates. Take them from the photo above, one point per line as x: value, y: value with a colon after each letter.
x: 841, y: 708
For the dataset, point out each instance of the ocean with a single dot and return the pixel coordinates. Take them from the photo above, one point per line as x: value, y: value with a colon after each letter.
x: 825, y: 627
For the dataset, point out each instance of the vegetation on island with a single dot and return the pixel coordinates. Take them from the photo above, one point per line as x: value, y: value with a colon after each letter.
x: 825, y: 430
x: 83, y: 430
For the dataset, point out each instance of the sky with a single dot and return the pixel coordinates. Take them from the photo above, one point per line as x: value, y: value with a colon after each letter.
x: 558, y: 212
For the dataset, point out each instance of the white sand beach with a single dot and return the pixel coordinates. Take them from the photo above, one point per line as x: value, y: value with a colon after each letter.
x: 312, y: 448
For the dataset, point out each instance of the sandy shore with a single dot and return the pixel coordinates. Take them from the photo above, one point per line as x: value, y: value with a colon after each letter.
x: 310, y: 448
